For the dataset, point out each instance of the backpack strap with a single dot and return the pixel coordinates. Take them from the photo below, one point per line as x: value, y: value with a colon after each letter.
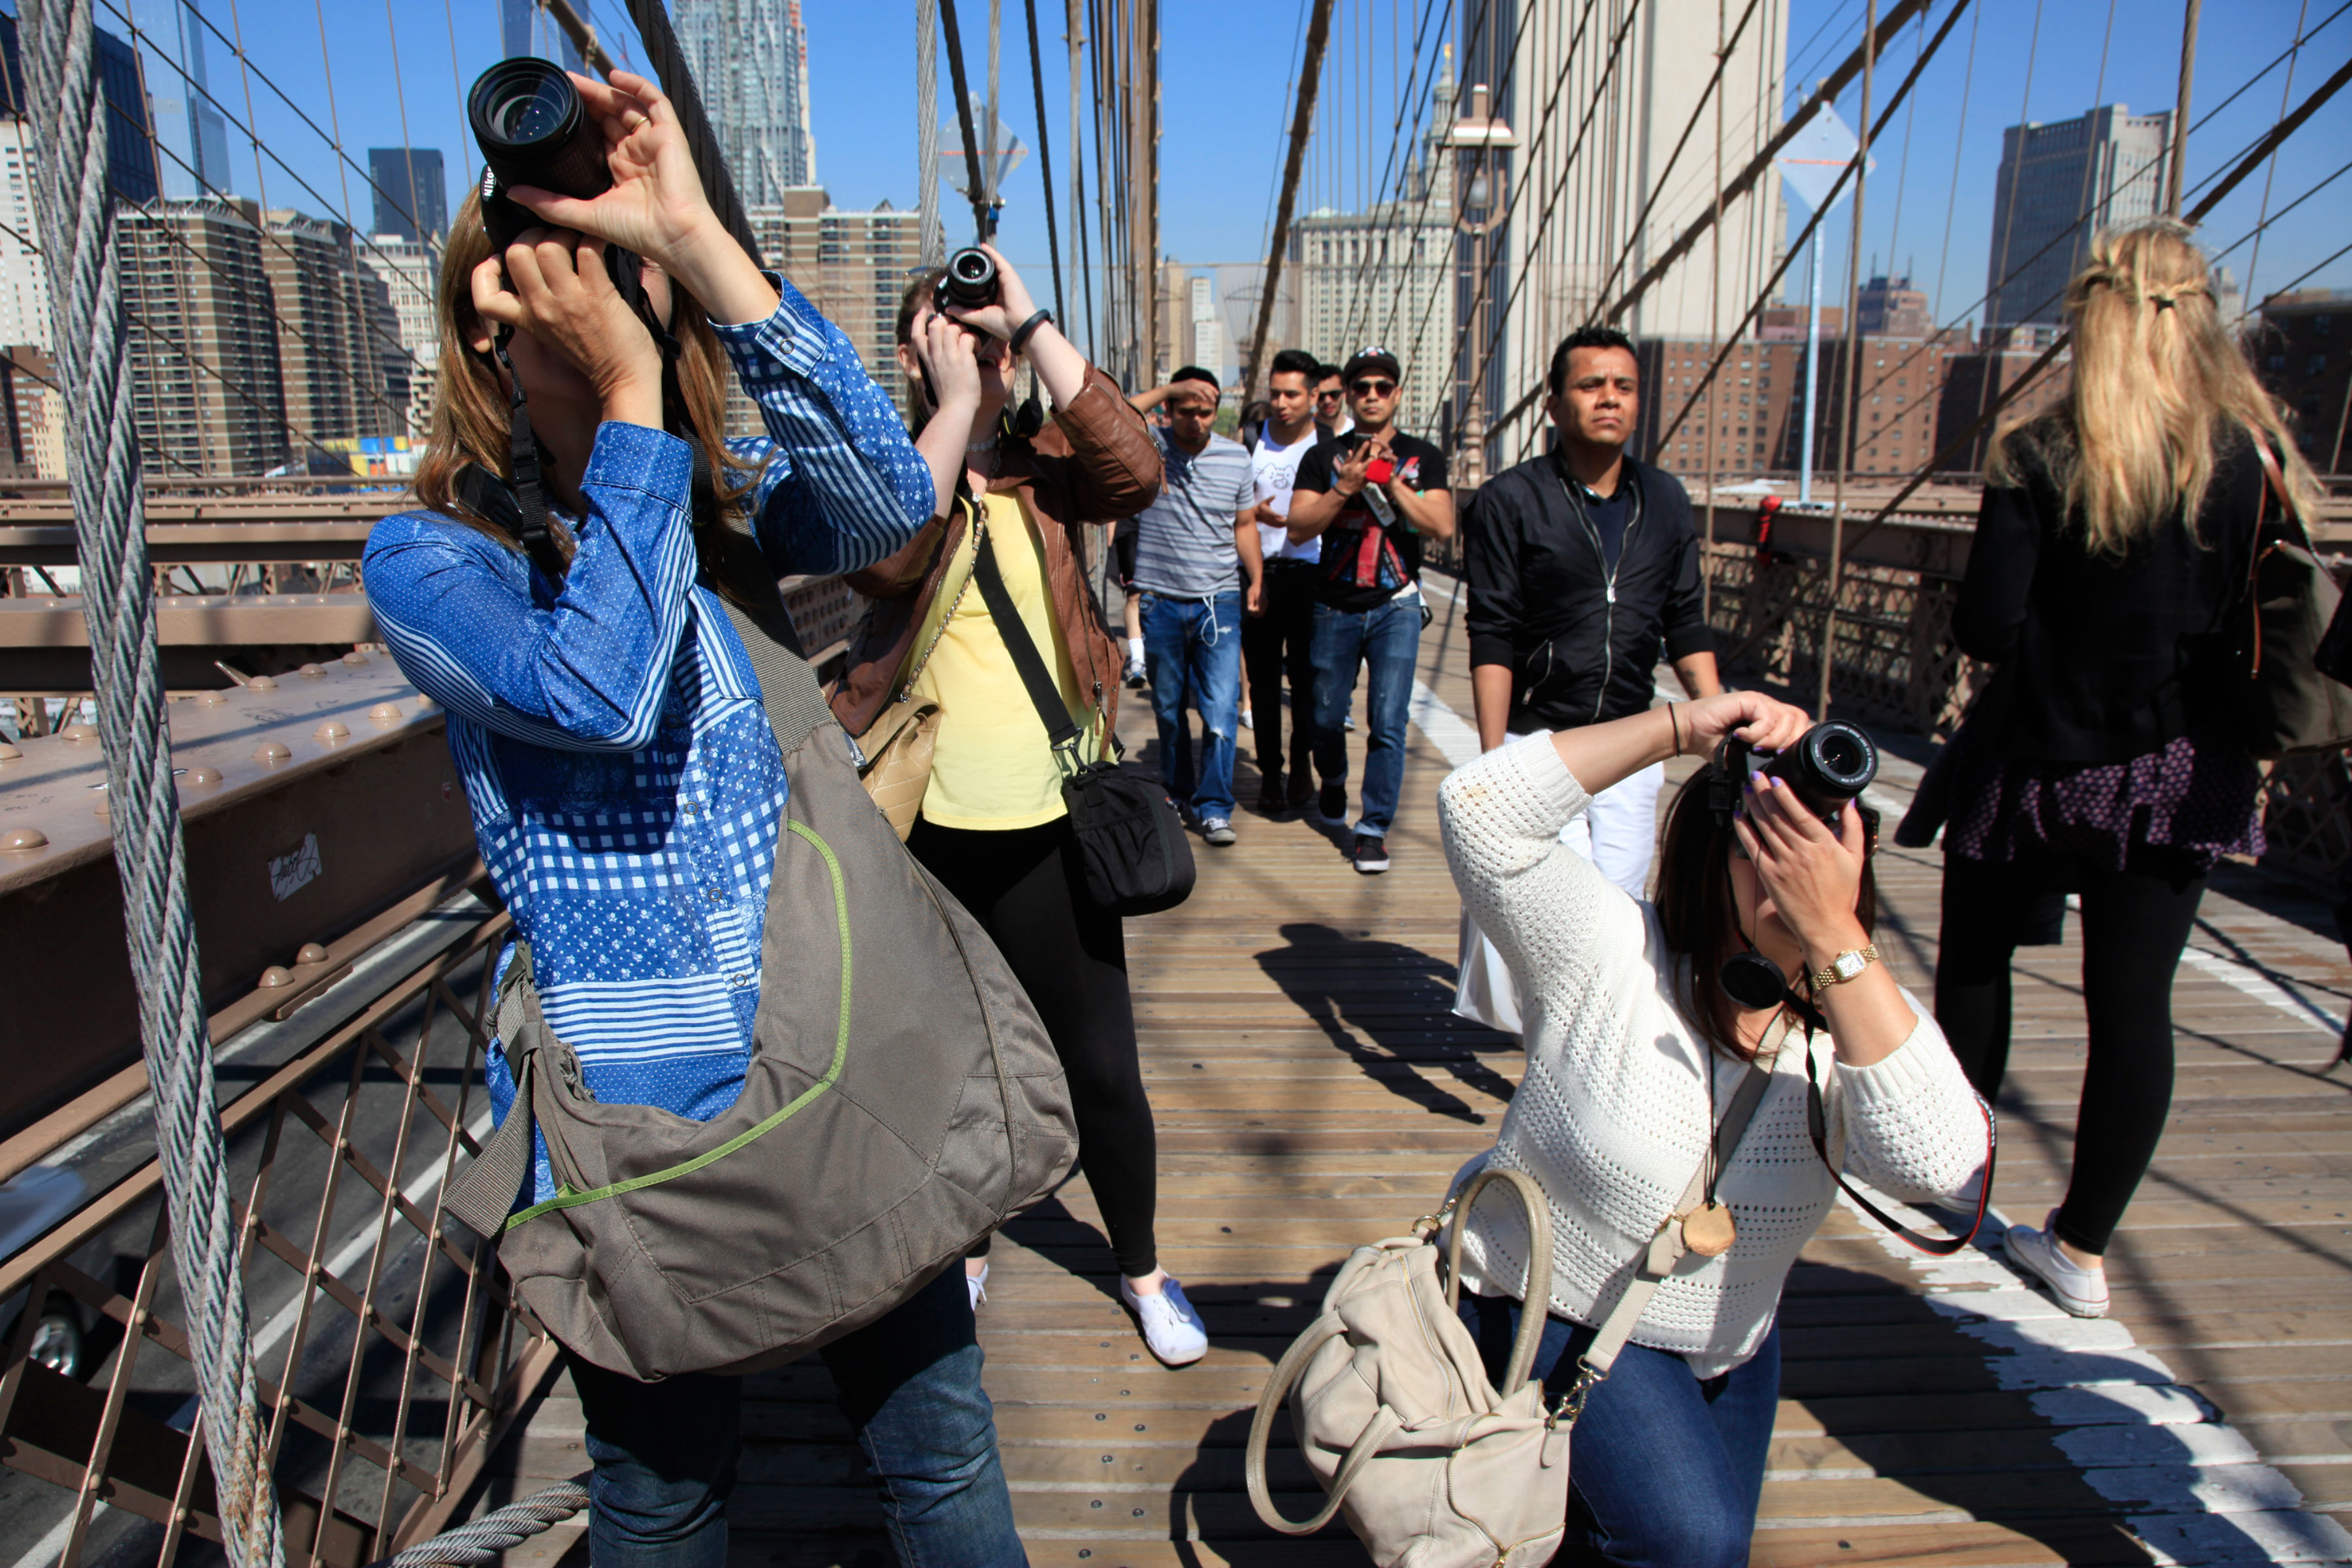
x: 485, y: 1195
x: 789, y: 689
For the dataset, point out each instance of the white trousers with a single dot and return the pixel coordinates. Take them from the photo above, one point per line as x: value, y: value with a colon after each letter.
x: 1618, y: 832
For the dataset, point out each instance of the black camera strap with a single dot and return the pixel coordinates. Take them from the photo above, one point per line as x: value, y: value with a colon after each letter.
x: 526, y: 489
x: 1817, y: 1127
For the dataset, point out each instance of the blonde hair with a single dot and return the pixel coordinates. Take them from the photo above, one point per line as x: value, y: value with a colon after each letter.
x: 471, y: 417
x: 2161, y: 388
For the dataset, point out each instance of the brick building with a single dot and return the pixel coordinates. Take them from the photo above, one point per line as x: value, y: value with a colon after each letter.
x: 2304, y: 350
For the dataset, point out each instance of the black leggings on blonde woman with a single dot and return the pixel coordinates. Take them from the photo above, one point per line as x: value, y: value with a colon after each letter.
x: 2135, y: 923
x: 1027, y: 889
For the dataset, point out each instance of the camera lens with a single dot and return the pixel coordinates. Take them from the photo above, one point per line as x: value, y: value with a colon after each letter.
x: 1831, y: 766
x: 533, y: 130
x: 968, y: 282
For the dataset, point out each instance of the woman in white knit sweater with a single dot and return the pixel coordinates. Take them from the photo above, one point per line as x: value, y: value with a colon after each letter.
x: 1635, y: 1052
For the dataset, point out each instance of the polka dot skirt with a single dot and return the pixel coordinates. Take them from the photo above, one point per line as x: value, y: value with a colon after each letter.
x: 2197, y: 795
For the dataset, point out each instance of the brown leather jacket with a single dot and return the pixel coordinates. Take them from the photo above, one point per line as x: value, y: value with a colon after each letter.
x: 1093, y: 465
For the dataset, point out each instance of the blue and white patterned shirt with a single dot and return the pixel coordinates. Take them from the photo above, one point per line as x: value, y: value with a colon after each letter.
x: 624, y: 783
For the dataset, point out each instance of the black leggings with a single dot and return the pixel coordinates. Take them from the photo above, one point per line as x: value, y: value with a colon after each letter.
x: 1027, y: 889
x: 1276, y: 644
x: 2135, y: 923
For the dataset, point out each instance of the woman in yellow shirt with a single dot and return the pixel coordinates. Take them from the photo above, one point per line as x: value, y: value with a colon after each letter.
x: 992, y: 826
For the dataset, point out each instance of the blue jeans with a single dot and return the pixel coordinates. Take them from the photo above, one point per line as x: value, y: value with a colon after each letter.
x: 1387, y: 640
x: 1193, y: 647
x: 909, y: 1385
x: 1665, y: 1468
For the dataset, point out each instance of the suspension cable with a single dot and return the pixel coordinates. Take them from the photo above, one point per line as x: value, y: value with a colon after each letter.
x: 1045, y: 163
x: 976, y: 187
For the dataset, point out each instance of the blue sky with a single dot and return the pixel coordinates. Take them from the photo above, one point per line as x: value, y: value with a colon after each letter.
x: 1225, y: 75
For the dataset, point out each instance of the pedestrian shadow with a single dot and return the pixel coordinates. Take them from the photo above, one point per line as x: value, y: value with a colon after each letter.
x: 1389, y: 1008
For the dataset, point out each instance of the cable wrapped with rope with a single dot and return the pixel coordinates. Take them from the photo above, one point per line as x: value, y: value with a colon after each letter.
x: 479, y: 1543
x: 82, y: 246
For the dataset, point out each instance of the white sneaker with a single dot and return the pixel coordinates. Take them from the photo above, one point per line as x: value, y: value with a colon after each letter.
x: 1249, y: 720
x: 2081, y: 1291
x: 1217, y: 830
x: 978, y: 1285
x: 1171, y: 1327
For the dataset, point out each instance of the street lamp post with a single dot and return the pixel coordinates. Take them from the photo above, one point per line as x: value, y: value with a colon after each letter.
x: 1473, y: 139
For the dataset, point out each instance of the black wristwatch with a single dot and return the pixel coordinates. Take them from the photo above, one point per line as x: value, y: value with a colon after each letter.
x: 1020, y: 334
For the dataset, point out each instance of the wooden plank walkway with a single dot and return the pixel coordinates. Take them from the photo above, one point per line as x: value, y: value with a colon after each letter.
x: 1312, y: 1093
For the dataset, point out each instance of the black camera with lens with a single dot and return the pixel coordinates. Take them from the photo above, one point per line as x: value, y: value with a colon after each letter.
x: 1833, y: 763
x: 535, y: 131
x: 968, y: 282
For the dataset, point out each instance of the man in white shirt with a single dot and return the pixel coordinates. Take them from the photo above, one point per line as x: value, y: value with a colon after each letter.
x: 1277, y: 641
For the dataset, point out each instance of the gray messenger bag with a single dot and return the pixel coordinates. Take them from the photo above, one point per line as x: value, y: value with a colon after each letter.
x: 902, y: 1099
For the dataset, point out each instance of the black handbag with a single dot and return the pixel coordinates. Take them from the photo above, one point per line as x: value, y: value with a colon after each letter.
x: 1132, y: 843
x: 2290, y: 703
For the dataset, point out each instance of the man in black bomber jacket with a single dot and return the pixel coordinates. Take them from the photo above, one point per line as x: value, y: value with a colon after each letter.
x: 1581, y: 562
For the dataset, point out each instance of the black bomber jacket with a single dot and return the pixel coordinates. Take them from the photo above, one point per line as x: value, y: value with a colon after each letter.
x: 1580, y: 642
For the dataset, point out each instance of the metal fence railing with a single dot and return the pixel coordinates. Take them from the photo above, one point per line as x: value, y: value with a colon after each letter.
x: 389, y: 1357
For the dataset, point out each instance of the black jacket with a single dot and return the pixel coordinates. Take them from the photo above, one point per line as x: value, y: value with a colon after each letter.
x: 1541, y: 599
x: 2116, y: 656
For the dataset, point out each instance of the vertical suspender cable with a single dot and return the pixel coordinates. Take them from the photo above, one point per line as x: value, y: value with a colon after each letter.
x: 1713, y: 303
x: 1076, y: 37
x: 2176, y: 179
x: 991, y: 165
x: 1045, y: 163
x: 1319, y: 33
x: 82, y: 250
x: 1848, y: 436
x: 931, y: 239
x: 668, y: 62
x: 975, y: 185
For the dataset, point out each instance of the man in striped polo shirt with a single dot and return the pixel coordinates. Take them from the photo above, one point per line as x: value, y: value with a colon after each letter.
x: 1189, y: 546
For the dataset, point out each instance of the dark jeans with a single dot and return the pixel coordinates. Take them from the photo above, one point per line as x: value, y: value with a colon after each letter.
x: 1665, y: 1469
x: 1387, y: 642
x: 1277, y: 645
x: 1027, y: 889
x: 2135, y: 923
x: 908, y: 1386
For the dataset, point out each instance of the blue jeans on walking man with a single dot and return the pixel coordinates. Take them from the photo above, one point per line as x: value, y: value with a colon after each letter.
x: 1192, y: 648
x: 1387, y: 642
x: 909, y: 1385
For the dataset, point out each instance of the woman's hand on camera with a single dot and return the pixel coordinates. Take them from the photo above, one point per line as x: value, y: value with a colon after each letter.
x: 951, y: 362
x: 565, y: 299
x: 1012, y: 306
x: 1762, y: 721
x: 1812, y: 874
x: 1061, y: 367
x: 657, y: 206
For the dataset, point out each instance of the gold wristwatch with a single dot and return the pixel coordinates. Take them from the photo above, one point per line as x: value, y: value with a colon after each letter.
x: 1844, y: 966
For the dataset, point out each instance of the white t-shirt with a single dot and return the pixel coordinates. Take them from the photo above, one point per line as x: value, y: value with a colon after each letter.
x: 1275, y: 467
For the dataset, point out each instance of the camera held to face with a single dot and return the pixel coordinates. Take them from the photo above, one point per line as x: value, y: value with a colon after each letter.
x: 535, y: 131
x: 968, y: 282
x: 1833, y: 763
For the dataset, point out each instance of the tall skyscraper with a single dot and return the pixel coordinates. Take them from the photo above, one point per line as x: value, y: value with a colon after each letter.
x: 749, y: 58
x: 1622, y: 184
x: 852, y: 266
x: 2059, y: 186
x: 207, y: 131
x: 408, y: 342
x: 202, y: 342
x: 326, y: 357
x: 129, y: 148
x: 24, y: 281
x: 524, y: 28
x: 410, y: 200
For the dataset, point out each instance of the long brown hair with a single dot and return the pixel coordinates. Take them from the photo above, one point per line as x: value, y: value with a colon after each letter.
x: 919, y: 291
x: 471, y: 415
x: 2161, y: 388
x: 1698, y: 909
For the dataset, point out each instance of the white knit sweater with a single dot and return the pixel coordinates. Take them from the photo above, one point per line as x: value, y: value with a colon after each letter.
x: 1611, y: 1117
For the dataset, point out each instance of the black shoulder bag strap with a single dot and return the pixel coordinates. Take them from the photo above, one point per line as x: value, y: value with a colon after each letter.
x: 1039, y: 680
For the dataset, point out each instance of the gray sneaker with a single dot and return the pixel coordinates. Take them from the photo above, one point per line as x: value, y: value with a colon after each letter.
x: 1217, y: 831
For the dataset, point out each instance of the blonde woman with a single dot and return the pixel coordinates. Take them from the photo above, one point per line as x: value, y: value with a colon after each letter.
x: 2114, y: 536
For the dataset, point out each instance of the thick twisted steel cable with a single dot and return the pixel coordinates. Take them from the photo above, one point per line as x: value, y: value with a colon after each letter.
x: 668, y: 63
x: 1045, y: 164
x: 481, y: 1542
x: 931, y: 244
x: 76, y: 216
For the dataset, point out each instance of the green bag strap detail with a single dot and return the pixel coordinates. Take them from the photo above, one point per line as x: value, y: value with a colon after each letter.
x: 565, y: 1200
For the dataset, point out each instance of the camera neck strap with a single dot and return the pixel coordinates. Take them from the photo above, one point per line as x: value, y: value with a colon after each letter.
x: 527, y: 485
x: 1817, y: 1124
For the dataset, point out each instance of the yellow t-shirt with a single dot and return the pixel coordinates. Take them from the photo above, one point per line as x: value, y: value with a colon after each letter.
x: 992, y: 766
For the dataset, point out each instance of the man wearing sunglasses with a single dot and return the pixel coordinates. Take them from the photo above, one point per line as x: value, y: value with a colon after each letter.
x: 1331, y: 402
x: 1370, y: 495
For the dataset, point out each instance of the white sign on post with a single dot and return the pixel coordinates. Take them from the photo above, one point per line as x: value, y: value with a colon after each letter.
x: 1816, y: 156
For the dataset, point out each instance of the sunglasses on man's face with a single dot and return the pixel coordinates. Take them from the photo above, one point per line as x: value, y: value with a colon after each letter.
x: 1372, y: 387
x: 1331, y: 397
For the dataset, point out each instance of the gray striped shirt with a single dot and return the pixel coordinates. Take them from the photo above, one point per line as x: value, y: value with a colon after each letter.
x: 1184, y: 541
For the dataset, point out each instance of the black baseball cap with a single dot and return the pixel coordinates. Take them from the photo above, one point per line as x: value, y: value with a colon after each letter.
x: 1367, y: 359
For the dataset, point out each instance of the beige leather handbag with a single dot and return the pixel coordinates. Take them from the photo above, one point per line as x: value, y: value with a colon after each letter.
x: 1430, y: 1466
x: 893, y: 755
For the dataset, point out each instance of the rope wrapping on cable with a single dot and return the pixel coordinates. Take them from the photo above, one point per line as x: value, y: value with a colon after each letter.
x: 75, y: 218
x: 479, y: 1543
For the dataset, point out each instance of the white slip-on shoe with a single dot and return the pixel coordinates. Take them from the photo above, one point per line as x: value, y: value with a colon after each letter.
x: 978, y: 1285
x: 1171, y: 1327
x: 2081, y: 1291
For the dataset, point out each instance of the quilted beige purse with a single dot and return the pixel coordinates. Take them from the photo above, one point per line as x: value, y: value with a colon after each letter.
x: 893, y: 755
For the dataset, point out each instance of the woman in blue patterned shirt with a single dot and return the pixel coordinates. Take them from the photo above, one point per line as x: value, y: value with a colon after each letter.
x: 625, y: 783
